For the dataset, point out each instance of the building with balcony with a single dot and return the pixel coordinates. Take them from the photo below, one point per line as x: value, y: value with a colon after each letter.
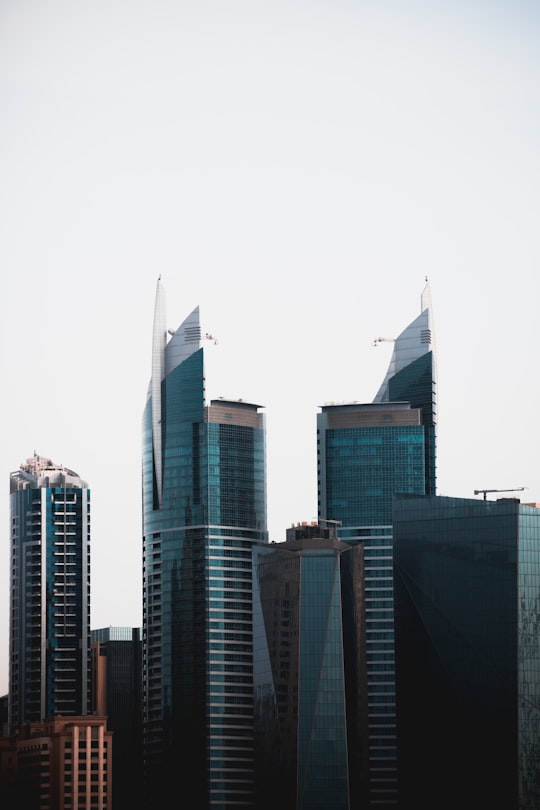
x: 65, y: 764
x: 49, y: 672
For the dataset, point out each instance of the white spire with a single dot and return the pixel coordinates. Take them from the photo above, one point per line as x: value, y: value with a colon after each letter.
x: 166, y: 356
x: 416, y: 340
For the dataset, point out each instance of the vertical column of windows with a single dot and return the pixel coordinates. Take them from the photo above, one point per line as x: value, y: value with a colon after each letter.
x: 230, y: 673
x: 152, y: 640
x: 380, y: 663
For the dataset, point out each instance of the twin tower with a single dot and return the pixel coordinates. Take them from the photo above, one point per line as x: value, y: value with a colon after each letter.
x: 306, y: 626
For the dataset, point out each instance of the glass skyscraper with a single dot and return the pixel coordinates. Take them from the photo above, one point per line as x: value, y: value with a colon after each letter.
x: 49, y: 593
x: 300, y: 671
x: 365, y: 454
x: 204, y: 507
x: 467, y: 591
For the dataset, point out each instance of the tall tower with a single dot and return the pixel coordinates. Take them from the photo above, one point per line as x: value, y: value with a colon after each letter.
x: 50, y: 593
x: 300, y: 662
x: 204, y: 507
x: 366, y: 453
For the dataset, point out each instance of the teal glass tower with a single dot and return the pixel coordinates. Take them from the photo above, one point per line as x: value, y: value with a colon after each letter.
x: 49, y: 593
x: 365, y: 454
x: 467, y: 595
x: 204, y: 507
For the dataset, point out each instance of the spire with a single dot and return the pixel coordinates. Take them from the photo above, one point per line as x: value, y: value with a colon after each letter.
x: 416, y: 340
x: 159, y: 342
x: 167, y: 354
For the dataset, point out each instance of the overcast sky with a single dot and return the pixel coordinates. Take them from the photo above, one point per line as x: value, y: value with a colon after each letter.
x: 296, y: 169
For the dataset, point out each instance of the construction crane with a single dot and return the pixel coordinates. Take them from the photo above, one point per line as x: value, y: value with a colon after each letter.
x: 383, y: 340
x: 329, y: 520
x: 485, y: 491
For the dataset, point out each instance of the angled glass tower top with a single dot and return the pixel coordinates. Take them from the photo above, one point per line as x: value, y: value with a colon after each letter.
x: 365, y: 454
x: 166, y: 356
x: 204, y: 506
x: 416, y: 341
x: 412, y: 378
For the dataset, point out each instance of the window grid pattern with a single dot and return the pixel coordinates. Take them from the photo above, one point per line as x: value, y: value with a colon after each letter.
x: 197, y: 595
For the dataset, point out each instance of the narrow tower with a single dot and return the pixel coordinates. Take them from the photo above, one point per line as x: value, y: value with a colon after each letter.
x: 204, y: 506
x: 366, y: 453
x: 49, y: 594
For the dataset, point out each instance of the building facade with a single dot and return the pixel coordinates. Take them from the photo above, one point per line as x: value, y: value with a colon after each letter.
x: 117, y: 695
x: 467, y: 579
x: 49, y: 593
x: 204, y: 507
x: 365, y: 454
x: 300, y: 671
x: 65, y: 764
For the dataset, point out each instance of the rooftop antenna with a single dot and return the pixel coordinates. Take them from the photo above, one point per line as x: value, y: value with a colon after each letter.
x: 485, y: 491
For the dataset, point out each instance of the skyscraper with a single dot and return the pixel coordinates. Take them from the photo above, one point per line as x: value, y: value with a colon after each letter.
x: 204, y: 506
x: 366, y: 453
x: 467, y: 591
x: 49, y: 594
x: 300, y: 661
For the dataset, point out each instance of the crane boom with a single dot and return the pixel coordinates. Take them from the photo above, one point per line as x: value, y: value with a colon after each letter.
x: 485, y: 491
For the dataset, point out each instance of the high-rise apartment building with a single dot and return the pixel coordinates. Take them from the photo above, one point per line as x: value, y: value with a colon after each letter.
x: 365, y: 454
x: 49, y: 593
x: 467, y: 596
x: 204, y: 507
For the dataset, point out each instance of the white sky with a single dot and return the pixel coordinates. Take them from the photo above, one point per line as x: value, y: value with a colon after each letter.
x: 296, y: 169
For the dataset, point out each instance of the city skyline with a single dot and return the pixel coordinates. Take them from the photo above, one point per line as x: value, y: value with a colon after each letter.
x: 296, y: 173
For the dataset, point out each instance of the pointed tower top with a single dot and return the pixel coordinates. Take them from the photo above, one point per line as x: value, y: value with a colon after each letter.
x: 416, y: 340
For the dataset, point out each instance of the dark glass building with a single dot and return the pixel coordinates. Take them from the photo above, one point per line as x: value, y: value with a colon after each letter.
x: 300, y: 660
x: 117, y: 695
x: 204, y: 507
x: 49, y: 593
x: 365, y: 454
x: 467, y: 596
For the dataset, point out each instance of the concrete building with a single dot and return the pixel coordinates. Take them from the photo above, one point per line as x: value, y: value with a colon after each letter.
x: 65, y: 764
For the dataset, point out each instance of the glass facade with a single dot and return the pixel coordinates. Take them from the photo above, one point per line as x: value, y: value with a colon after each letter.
x: 467, y: 590
x: 365, y: 454
x: 49, y: 593
x: 204, y: 506
x: 300, y: 673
